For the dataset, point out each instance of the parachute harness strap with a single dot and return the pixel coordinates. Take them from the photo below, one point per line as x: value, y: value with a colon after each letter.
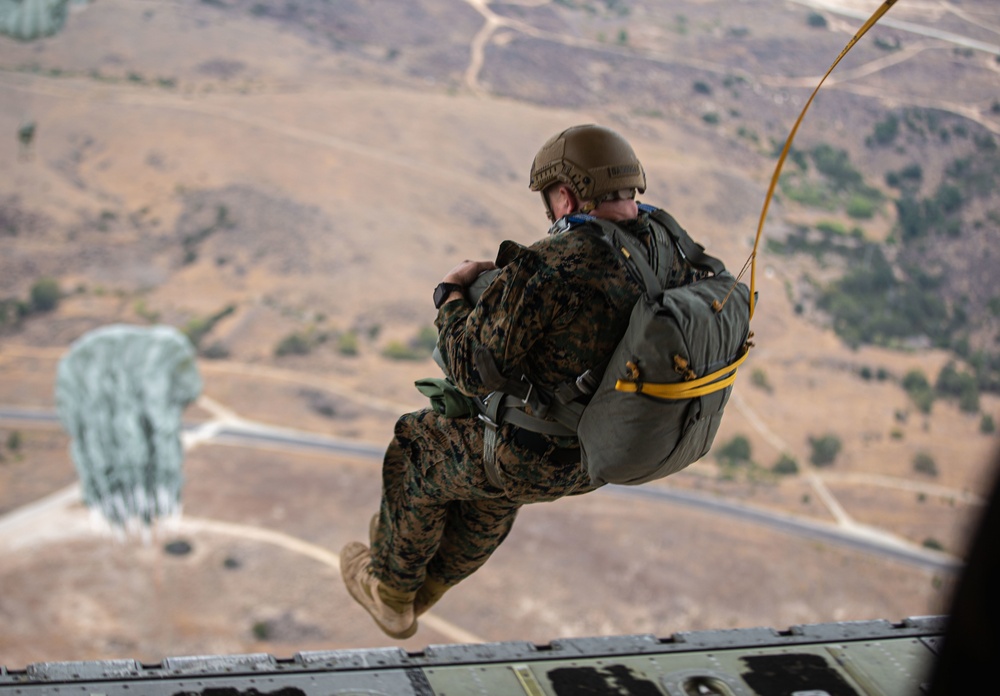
x: 751, y: 262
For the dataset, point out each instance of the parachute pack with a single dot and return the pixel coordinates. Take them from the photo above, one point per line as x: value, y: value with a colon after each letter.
x: 660, y: 400
x: 655, y: 405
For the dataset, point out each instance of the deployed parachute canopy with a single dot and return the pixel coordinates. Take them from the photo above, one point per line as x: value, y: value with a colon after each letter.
x: 32, y: 19
x: 120, y: 391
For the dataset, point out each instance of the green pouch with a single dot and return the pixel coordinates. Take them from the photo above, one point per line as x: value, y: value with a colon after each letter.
x: 445, y: 397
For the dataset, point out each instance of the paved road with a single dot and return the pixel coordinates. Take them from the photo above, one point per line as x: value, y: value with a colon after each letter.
x: 250, y: 434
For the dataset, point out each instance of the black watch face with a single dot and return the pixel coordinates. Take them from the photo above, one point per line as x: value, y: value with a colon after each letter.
x: 440, y: 293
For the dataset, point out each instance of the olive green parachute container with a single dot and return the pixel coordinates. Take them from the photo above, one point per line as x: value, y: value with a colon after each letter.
x: 32, y: 19
x: 661, y: 398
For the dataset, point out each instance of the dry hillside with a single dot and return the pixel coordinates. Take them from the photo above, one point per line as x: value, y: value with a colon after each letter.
x: 295, y: 177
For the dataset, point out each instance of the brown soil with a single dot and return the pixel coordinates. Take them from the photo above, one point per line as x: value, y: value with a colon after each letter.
x: 322, y: 187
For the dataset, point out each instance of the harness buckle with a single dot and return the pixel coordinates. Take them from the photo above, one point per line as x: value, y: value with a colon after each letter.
x: 586, y: 383
x: 531, y: 388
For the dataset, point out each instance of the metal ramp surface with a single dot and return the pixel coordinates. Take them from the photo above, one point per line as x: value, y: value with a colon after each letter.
x: 864, y: 658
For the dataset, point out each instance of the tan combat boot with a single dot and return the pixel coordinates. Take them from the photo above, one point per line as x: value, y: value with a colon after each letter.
x: 429, y: 593
x: 392, y: 609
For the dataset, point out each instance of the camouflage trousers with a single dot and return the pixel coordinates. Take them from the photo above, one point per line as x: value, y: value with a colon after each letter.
x: 440, y: 515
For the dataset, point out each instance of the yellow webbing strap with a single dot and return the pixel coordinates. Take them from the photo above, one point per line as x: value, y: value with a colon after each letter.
x: 689, y: 389
x: 727, y: 375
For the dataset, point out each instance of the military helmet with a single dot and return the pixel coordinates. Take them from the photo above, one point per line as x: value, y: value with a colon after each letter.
x: 595, y: 162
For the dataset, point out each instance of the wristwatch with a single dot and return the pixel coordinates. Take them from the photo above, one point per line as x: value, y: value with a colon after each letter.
x: 442, y: 291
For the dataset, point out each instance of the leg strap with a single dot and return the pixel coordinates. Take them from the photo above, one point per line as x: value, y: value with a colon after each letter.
x: 490, y: 416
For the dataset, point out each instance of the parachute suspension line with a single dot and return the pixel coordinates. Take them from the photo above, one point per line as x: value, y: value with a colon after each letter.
x: 716, y: 305
x: 751, y: 261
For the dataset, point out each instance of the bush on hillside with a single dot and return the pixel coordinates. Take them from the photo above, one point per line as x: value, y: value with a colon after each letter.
x: 45, y: 295
x: 824, y: 450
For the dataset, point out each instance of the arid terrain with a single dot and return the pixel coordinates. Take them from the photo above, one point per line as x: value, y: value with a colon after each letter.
x: 287, y: 181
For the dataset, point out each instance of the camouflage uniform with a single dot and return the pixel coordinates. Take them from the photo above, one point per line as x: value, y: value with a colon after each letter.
x: 557, y: 308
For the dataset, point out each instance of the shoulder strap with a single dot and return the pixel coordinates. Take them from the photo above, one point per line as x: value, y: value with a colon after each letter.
x: 632, y: 255
x: 693, y: 252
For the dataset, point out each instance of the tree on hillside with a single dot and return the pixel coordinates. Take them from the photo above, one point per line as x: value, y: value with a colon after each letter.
x: 735, y: 451
x: 824, y: 449
x: 45, y: 295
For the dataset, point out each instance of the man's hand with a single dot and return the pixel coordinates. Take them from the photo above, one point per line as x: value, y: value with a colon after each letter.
x: 464, y: 273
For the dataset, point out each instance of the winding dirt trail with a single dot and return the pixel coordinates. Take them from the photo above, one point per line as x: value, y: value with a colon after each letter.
x: 841, y: 79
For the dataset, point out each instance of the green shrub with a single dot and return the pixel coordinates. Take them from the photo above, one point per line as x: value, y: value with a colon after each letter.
x: 45, y: 295
x: 426, y: 339
x: 417, y: 348
x: 835, y: 165
x: 824, y: 449
x: 295, y: 343
x: 140, y: 308
x: 216, y: 351
x: 785, y: 466
x: 397, y: 350
x: 735, y: 451
x: 831, y: 227
x: 909, y: 176
x: 919, y: 389
x: 886, y: 130
x: 198, y: 327
x: 809, y: 193
x: 758, y: 378
x: 924, y: 463
x: 816, y: 20
x: 861, y: 207
x: 986, y: 424
x: 958, y: 385
x: 870, y: 305
x: 347, y: 343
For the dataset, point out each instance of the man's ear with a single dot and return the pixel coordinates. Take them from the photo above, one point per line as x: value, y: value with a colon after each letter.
x: 565, y: 201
